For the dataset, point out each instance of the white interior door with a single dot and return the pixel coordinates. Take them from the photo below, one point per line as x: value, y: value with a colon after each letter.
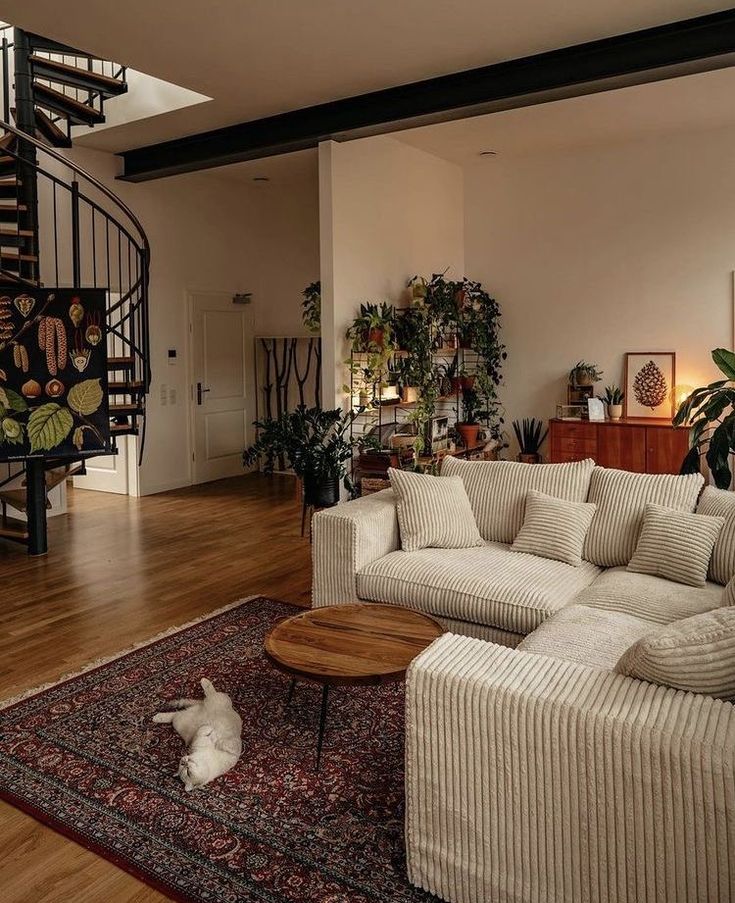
x: 113, y: 473
x: 220, y: 348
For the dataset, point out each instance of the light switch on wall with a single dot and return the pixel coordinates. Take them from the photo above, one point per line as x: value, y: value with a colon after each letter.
x: 164, y: 395
x: 172, y: 395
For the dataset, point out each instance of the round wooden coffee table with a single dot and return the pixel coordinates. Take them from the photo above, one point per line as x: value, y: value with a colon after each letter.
x: 362, y: 643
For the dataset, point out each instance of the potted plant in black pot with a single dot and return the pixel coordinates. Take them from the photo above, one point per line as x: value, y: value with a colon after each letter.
x: 316, y: 445
x: 531, y: 435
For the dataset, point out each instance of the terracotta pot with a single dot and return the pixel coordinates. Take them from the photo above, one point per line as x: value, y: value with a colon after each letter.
x: 376, y: 336
x: 615, y: 411
x: 469, y: 433
x: 529, y: 459
x: 409, y: 394
x: 456, y: 383
x: 467, y: 382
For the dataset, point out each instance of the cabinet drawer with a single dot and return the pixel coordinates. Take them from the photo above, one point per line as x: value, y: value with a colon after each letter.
x: 578, y: 430
x: 571, y: 448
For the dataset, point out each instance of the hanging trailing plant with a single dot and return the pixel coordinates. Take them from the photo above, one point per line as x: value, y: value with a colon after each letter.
x: 311, y: 312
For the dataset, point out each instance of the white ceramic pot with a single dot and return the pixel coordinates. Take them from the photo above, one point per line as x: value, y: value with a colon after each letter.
x: 615, y: 411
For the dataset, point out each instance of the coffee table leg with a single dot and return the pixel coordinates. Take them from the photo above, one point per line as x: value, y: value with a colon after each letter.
x: 322, y: 724
x: 291, y: 688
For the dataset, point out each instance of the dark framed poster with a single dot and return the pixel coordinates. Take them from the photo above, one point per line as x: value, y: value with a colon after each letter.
x: 53, y: 373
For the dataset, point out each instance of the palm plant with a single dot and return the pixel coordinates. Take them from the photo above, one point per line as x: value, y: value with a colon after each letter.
x: 710, y: 413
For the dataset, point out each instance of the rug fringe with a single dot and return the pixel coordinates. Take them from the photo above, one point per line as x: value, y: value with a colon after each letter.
x: 105, y: 660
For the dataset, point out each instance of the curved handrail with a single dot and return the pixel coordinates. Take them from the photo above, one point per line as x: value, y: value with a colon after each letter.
x: 100, y: 186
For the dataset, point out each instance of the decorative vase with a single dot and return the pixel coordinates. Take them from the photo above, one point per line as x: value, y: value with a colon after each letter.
x: 389, y: 392
x: 409, y: 394
x: 363, y: 399
x: 321, y: 494
x: 469, y: 433
x: 615, y: 411
x: 529, y: 459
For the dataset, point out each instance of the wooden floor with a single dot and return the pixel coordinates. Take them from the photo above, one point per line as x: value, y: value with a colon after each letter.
x: 119, y: 571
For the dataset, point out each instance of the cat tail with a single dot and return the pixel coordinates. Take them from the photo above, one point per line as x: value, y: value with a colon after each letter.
x: 182, y: 703
x: 207, y: 686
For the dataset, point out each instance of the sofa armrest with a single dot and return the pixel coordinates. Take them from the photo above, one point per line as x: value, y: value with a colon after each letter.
x: 345, y: 539
x: 531, y: 778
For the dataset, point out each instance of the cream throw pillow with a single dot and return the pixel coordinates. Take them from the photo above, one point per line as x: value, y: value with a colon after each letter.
x: 433, y: 512
x: 696, y: 654
x: 554, y: 528
x: 675, y: 545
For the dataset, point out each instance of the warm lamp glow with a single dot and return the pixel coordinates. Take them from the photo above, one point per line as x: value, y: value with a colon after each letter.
x: 681, y: 393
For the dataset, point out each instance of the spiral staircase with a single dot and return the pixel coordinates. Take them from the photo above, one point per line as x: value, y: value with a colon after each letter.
x: 60, y: 226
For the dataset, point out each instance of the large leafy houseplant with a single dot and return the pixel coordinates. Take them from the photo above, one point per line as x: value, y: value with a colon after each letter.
x: 710, y: 413
x: 311, y: 307
x: 372, y: 337
x: 315, y: 443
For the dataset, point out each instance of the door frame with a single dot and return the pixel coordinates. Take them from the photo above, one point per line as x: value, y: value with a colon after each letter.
x: 189, y: 354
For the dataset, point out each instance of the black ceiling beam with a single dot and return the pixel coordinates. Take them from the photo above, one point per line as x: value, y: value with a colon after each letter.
x: 692, y: 45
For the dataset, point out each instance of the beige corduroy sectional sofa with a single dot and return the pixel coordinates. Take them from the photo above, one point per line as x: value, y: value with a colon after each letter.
x: 534, y: 770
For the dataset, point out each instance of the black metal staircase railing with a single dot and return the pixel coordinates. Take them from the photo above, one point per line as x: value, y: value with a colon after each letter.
x: 62, y: 226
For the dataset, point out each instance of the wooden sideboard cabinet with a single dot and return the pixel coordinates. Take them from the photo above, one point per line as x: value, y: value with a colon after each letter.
x: 643, y: 446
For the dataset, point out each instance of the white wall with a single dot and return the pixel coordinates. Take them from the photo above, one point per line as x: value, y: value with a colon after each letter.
x: 387, y: 212
x: 605, y: 250
x: 211, y: 233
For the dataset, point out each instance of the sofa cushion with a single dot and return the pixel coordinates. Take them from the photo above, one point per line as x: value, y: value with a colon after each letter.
x: 554, y: 528
x: 433, y: 512
x: 653, y: 599
x: 587, y: 636
x: 498, y: 489
x: 721, y: 503
x: 489, y: 585
x: 696, y: 654
x: 675, y: 545
x: 621, y: 498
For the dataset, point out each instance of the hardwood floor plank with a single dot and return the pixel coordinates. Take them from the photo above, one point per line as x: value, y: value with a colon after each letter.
x: 120, y: 571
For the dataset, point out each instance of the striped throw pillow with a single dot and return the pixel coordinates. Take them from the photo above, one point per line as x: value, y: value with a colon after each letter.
x: 728, y: 596
x: 554, y: 528
x: 696, y: 654
x: 721, y: 503
x: 621, y: 498
x: 675, y: 545
x: 497, y: 489
x: 433, y: 512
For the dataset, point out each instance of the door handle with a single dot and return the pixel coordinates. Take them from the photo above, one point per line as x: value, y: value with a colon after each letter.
x: 200, y: 392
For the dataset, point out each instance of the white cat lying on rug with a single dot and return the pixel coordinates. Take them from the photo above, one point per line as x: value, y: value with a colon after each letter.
x: 211, y: 729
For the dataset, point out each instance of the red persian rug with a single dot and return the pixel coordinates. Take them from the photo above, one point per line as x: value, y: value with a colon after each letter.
x: 84, y: 757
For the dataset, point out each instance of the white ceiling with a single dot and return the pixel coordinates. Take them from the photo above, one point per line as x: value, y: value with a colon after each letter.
x: 260, y: 57
x: 693, y: 102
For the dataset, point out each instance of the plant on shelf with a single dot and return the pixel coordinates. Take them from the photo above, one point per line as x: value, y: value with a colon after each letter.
x: 372, y: 338
x: 710, y: 413
x: 316, y: 445
x: 469, y: 426
x: 584, y: 374
x: 613, y: 398
x: 311, y: 312
x: 531, y: 435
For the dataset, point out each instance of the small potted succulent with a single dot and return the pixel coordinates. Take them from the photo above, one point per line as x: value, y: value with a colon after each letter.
x: 614, y: 401
x: 530, y: 434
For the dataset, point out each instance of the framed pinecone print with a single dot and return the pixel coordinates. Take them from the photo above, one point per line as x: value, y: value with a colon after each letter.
x: 650, y: 377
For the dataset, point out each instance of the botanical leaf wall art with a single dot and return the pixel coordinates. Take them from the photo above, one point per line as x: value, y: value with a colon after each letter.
x: 53, y: 380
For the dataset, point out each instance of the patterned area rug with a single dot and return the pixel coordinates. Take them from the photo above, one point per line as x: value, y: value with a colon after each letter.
x: 85, y: 757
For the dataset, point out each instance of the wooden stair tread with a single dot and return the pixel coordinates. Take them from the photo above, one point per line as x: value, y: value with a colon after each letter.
x: 131, y: 386
x: 78, y: 113
x: 118, y: 428
x: 12, y: 529
x: 130, y: 408
x: 13, y: 233
x: 17, y: 498
x: 8, y: 204
x: 10, y: 181
x: 76, y: 75
x: 50, y: 130
x: 116, y: 363
x: 7, y: 253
